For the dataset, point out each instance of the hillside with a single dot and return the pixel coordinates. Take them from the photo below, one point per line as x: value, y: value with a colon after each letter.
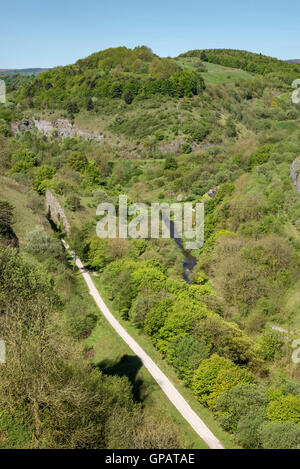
x: 21, y: 71
x: 172, y: 130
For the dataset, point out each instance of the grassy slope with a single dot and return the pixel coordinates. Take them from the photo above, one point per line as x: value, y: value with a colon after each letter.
x: 26, y: 219
x: 101, y: 336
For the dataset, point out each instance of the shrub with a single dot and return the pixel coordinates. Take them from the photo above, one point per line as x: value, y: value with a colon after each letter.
x: 42, y: 178
x: 128, y: 97
x: 276, y: 435
x: 243, y: 400
x: 73, y: 202
x: 186, y: 148
x: 185, y: 354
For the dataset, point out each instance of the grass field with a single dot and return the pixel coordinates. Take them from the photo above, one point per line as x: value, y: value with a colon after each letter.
x: 25, y: 219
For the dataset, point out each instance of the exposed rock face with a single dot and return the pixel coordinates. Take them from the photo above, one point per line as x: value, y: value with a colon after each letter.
x: 295, y: 174
x: 59, y: 127
x: 56, y: 212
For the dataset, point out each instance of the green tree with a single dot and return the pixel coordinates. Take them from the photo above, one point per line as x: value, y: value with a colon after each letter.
x: 285, y: 408
x: 275, y: 435
x: 205, y: 377
x: 170, y: 163
x: 242, y: 401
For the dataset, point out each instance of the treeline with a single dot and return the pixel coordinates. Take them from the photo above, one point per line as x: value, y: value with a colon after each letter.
x: 251, y: 62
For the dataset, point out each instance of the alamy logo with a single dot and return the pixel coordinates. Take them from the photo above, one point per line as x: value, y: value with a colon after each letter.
x: 2, y: 92
x: 2, y: 352
x: 160, y: 220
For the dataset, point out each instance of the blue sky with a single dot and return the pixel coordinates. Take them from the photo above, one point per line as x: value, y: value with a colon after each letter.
x: 47, y: 33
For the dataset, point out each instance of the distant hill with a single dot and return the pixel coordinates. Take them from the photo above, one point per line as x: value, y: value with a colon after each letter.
x: 22, y: 71
x: 293, y: 61
x: 250, y: 62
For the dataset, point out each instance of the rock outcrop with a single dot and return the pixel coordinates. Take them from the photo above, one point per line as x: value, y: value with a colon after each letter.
x: 55, y: 211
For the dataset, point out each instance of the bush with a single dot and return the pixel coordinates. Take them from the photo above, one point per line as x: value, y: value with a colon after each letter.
x: 186, y: 148
x: 144, y: 302
x: 77, y: 161
x: 170, y: 163
x: 185, y: 354
x: 271, y: 343
x: 243, y: 400
x: 204, y: 380
x: 128, y: 97
x: 80, y: 319
x: 262, y: 155
x: 285, y: 408
x: 276, y: 435
x: 73, y: 202
x: 42, y: 178
x: 37, y: 242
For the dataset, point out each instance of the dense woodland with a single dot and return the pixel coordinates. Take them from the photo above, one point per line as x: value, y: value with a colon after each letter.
x: 168, y: 135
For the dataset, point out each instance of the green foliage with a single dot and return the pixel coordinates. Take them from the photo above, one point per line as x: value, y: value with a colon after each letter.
x: 22, y: 161
x: 204, y: 380
x: 72, y: 202
x: 155, y: 318
x: 98, y: 253
x: 80, y: 319
x: 112, y: 73
x: 186, y: 148
x: 280, y: 435
x: 77, y: 160
x: 185, y: 354
x: 143, y: 304
x: 227, y: 379
x: 128, y: 97
x: 271, y: 343
x: 261, y: 156
x: 145, y: 276
x: 242, y: 401
x: 285, y: 408
x: 170, y: 163
x: 6, y: 216
x: 251, y: 62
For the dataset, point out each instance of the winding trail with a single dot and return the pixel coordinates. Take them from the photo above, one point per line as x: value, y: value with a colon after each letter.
x: 165, y: 384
